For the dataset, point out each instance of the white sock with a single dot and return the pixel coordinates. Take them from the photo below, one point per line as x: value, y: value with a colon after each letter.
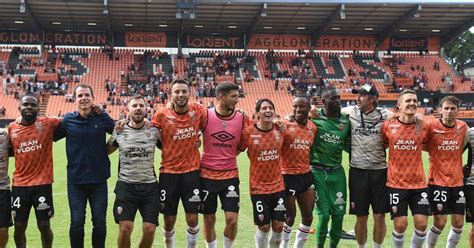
x: 192, y: 236
x: 453, y: 237
x: 285, y: 237
x: 418, y: 239
x: 377, y: 245
x: 432, y: 237
x: 261, y: 239
x: 275, y: 240
x: 361, y: 246
x: 398, y: 239
x: 168, y: 237
x: 212, y: 244
x: 228, y: 243
x: 301, y: 236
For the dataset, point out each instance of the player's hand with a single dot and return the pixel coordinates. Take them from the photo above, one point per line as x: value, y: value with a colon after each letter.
x: 313, y: 113
x: 120, y: 125
x: 18, y: 120
x: 241, y: 111
x: 290, y: 118
x: 465, y: 171
x: 96, y: 110
x: 280, y: 125
x: 170, y: 104
x: 198, y: 142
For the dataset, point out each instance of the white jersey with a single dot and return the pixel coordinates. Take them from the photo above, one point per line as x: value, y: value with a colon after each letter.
x: 367, y: 145
x: 137, y: 153
x: 4, y: 179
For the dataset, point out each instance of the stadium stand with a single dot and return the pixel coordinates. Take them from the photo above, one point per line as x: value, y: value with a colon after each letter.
x: 255, y: 71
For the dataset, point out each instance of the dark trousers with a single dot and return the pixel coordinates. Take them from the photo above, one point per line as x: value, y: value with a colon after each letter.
x: 78, y: 195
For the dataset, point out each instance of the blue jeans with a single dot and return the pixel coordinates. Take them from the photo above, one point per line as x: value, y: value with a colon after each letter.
x: 78, y: 195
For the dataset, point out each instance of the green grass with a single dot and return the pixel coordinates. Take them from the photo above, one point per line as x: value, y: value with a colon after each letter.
x: 246, y: 231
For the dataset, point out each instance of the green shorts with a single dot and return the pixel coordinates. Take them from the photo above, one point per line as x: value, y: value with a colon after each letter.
x: 330, y: 190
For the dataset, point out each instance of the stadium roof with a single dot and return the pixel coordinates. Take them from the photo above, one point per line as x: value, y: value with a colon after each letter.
x: 444, y: 18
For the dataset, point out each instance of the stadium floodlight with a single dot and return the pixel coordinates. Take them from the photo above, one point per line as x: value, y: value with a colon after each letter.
x: 22, y: 6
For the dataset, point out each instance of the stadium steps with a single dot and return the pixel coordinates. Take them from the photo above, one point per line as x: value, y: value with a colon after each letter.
x: 44, y: 104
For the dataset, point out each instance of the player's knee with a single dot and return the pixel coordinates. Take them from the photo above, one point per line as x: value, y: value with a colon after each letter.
x: 264, y: 228
x: 231, y: 221
x: 126, y: 228
x: 400, y: 226
x: 323, y: 218
x: 44, y: 226
x: 457, y: 223
x: 149, y: 229
x: 362, y: 220
x: 421, y: 225
x: 20, y: 226
x: 192, y: 220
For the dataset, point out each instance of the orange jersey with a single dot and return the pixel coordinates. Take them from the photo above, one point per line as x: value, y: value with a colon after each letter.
x: 405, y: 144
x: 445, y: 146
x: 179, y: 136
x: 33, y: 147
x: 264, y: 151
x: 297, y: 146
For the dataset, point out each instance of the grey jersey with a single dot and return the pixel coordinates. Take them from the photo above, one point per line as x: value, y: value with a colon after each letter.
x: 367, y: 146
x: 470, y: 133
x: 137, y: 153
x: 4, y: 179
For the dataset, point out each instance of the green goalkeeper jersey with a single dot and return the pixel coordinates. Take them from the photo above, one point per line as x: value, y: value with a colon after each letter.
x: 332, y: 137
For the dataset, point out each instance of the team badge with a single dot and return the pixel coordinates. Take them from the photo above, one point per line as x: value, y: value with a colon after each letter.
x: 291, y: 129
x: 353, y: 205
x: 439, y: 206
x: 39, y: 126
x: 342, y: 126
x: 394, y: 209
x: 43, y: 205
x: 261, y: 217
x: 280, y: 206
x: 224, y: 124
x: 119, y: 210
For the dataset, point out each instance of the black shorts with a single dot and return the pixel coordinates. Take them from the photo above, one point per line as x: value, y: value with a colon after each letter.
x: 129, y: 197
x: 5, y: 209
x: 401, y: 199
x: 297, y: 184
x: 469, y: 197
x: 446, y: 200
x: 180, y: 186
x: 367, y: 188
x: 267, y: 207
x: 227, y: 190
x: 39, y: 197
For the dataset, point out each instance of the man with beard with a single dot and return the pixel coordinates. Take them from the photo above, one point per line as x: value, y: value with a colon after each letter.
x: 299, y: 137
x: 5, y: 193
x: 446, y: 141
x: 32, y: 143
x: 368, y: 166
x: 406, y: 183
x: 137, y: 186
x: 88, y: 166
x: 264, y: 143
x: 179, y: 125
x: 332, y: 138
x: 219, y: 172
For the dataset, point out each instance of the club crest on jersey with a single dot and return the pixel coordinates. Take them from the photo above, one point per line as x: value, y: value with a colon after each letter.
x: 39, y: 126
x: 291, y: 129
x: 342, y: 126
x: 119, y: 210
x: 192, y: 114
x: 256, y: 141
x: 224, y: 124
x: 277, y: 135
x: 394, y: 209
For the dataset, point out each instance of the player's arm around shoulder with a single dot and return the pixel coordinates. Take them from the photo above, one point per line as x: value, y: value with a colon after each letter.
x: 112, y: 143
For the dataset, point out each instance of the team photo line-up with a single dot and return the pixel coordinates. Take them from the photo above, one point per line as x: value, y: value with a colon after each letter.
x: 293, y: 162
